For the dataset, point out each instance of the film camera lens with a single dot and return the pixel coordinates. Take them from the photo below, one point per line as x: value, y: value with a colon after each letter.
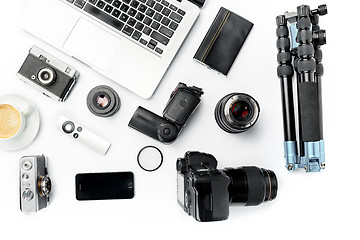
x: 251, y: 185
x: 46, y: 76
x: 103, y: 101
x: 236, y: 112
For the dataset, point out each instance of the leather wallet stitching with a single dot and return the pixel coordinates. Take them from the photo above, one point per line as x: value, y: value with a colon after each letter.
x: 222, y: 24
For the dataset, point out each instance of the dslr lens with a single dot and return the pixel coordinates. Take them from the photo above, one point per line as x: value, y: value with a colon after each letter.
x: 46, y: 76
x: 236, y: 112
x: 251, y: 185
x: 103, y: 101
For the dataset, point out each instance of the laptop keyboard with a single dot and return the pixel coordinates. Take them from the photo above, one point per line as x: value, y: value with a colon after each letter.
x: 151, y: 23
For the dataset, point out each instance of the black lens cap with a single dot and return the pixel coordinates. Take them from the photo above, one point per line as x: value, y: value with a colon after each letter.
x: 103, y: 101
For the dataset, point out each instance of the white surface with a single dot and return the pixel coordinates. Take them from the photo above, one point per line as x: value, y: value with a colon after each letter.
x: 308, y: 206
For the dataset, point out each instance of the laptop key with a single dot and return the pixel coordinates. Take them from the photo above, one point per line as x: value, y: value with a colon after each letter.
x: 128, y: 30
x: 134, y: 4
x: 159, y: 50
x: 93, y: 2
x: 80, y: 3
x: 142, y: 8
x: 143, y: 41
x: 108, y: 8
x: 103, y: 17
x: 158, y: 17
x: 160, y: 38
x: 155, y: 25
x: 150, y: 12
x: 139, y: 26
x: 173, y: 25
x: 131, y: 22
x: 150, y: 3
x: 132, y: 12
x: 165, y: 21
x: 167, y: 32
x: 124, y: 7
x: 165, y: 3
x: 181, y: 12
x: 151, y: 46
x: 176, y: 17
x: 143, y: 1
x: 136, y: 35
x: 127, y: 1
x: 109, y: 1
x: 147, y: 30
x: 166, y: 11
x: 158, y: 7
x: 70, y: 1
x: 124, y: 17
x: 100, y: 4
x: 140, y: 16
x: 172, y: 7
x: 116, y: 13
x: 116, y: 3
x: 147, y: 21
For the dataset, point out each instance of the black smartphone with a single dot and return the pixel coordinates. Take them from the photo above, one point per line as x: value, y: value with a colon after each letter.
x: 104, y: 186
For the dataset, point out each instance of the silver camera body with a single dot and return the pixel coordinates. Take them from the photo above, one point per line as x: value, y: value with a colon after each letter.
x: 48, y: 74
x: 35, y: 184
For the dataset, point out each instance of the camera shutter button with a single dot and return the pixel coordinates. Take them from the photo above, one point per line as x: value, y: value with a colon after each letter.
x: 68, y: 127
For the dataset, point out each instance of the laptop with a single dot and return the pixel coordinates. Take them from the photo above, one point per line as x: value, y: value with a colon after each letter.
x: 131, y: 42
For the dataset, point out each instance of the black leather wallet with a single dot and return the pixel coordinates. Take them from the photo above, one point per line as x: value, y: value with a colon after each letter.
x: 223, y: 41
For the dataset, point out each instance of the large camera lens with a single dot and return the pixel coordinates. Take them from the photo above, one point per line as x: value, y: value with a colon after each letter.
x: 103, y: 101
x: 251, y: 185
x: 236, y: 112
x: 46, y: 76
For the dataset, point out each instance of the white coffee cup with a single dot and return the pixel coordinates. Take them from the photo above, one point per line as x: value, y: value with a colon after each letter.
x: 12, y: 119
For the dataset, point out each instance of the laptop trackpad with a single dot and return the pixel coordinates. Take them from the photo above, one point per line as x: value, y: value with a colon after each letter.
x: 91, y: 44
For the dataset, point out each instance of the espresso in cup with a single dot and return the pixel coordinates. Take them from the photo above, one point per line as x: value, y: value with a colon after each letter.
x: 10, y: 121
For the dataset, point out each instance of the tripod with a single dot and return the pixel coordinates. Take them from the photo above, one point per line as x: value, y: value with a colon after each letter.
x: 302, y: 56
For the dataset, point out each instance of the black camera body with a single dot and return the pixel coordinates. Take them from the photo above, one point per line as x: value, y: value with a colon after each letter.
x: 206, y: 192
x: 182, y: 103
x: 51, y: 76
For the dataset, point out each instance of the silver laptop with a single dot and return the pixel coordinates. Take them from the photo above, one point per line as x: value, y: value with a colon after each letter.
x: 131, y: 42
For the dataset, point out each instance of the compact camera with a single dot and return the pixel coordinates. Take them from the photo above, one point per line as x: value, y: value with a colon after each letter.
x: 206, y: 193
x: 182, y: 103
x: 35, y: 184
x: 48, y: 74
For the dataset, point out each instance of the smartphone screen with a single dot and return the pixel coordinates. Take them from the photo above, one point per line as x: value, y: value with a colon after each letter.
x: 104, y: 186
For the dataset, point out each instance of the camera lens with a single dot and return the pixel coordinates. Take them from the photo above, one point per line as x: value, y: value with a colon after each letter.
x: 103, y: 101
x: 251, y: 185
x: 44, y: 184
x: 236, y: 112
x: 46, y: 76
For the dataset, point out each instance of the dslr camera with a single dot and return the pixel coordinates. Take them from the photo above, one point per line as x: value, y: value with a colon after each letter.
x: 182, y: 103
x: 48, y: 74
x: 35, y: 184
x: 206, y: 192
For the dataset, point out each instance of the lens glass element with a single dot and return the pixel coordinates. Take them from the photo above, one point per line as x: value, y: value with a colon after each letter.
x: 240, y: 110
x: 102, y: 101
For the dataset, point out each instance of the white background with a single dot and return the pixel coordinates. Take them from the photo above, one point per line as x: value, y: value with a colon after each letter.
x: 316, y: 205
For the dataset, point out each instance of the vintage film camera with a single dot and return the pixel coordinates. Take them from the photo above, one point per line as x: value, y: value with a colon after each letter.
x: 48, y: 74
x: 35, y: 184
x: 182, y: 103
x: 206, y: 193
